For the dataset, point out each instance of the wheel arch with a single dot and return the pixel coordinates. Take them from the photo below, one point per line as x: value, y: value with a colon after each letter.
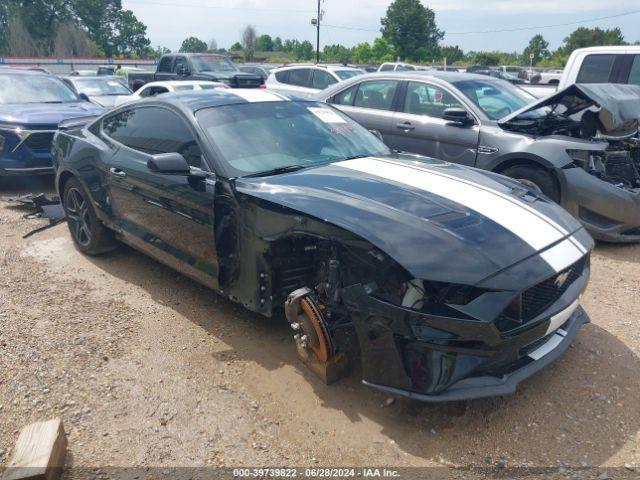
x: 531, y: 161
x: 62, y: 180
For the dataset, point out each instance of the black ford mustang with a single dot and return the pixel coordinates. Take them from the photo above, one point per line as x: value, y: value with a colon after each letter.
x: 459, y: 282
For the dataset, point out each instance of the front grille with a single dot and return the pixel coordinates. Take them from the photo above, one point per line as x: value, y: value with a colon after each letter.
x: 537, y: 299
x: 39, y: 141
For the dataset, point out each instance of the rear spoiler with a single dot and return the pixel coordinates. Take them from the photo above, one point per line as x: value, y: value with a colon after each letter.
x: 75, y: 123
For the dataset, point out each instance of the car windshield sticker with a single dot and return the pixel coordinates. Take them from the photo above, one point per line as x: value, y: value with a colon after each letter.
x: 326, y: 115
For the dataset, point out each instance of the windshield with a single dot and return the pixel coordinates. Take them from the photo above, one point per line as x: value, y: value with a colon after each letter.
x: 497, y: 99
x: 100, y: 86
x: 213, y: 63
x: 344, y: 74
x: 34, y: 89
x: 285, y: 134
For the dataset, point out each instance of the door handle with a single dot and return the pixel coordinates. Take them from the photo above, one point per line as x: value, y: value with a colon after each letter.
x: 406, y: 126
x: 117, y: 172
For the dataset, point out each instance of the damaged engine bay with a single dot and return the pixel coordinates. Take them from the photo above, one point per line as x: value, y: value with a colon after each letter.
x: 605, y: 115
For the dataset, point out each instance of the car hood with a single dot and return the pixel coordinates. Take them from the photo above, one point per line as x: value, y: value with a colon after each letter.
x: 437, y: 220
x: 109, y: 101
x: 618, y: 104
x: 46, y: 113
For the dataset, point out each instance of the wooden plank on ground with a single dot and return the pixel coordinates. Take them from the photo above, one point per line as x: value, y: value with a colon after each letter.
x: 39, y: 453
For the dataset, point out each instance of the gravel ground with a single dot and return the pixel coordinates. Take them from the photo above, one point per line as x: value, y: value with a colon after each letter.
x: 149, y: 369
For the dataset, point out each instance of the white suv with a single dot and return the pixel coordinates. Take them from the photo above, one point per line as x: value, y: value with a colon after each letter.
x: 396, y: 67
x: 309, y: 79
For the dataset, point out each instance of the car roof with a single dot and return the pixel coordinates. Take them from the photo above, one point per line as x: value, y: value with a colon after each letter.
x: 446, y: 76
x: 23, y: 71
x: 80, y: 78
x: 609, y: 49
x: 174, y: 83
x: 198, y: 100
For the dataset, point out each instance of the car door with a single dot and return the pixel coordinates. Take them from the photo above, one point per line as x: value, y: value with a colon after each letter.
x: 168, y: 216
x: 371, y: 104
x: 419, y: 126
x: 163, y: 72
x: 181, y: 68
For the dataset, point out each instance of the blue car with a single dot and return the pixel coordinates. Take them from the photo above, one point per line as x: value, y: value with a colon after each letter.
x: 32, y: 105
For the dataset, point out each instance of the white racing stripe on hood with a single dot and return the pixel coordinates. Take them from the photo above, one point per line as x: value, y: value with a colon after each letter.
x: 511, y: 199
x: 528, y: 224
x: 562, y: 255
x: 253, y: 95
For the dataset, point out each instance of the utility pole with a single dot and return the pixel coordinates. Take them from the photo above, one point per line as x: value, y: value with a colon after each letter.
x: 318, y: 35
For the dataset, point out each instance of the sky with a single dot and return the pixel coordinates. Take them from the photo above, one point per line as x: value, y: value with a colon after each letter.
x: 350, y: 22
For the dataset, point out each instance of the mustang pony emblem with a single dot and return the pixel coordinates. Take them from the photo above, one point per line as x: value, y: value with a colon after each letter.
x: 561, y: 279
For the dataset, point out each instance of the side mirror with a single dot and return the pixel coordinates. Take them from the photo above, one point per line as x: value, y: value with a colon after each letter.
x: 169, y: 164
x: 377, y: 134
x: 457, y: 115
x: 183, y: 71
x: 84, y: 96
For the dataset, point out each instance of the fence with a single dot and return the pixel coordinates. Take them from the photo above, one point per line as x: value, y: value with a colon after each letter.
x: 61, y: 66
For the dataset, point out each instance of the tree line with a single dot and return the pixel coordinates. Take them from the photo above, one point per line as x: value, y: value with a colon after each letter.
x: 409, y: 32
x: 71, y: 28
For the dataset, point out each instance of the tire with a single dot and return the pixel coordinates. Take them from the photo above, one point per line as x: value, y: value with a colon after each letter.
x: 88, y: 233
x: 537, y: 178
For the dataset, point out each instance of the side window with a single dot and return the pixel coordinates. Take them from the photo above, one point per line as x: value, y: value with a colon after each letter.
x: 300, y: 77
x: 165, y: 65
x: 429, y: 100
x: 346, y: 97
x: 144, y: 93
x: 153, y: 130
x: 634, y: 74
x: 378, y: 95
x: 322, y: 79
x: 182, y: 88
x: 596, y: 69
x: 386, y: 68
x: 181, y: 63
x: 282, y: 77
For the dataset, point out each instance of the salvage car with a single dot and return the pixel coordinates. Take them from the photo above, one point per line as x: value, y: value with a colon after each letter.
x: 459, y: 283
x: 32, y: 105
x: 579, y: 147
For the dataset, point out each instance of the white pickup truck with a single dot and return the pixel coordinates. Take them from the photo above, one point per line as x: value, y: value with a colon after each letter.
x: 596, y: 65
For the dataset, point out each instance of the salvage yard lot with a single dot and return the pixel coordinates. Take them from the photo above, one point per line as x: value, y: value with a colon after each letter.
x: 148, y: 368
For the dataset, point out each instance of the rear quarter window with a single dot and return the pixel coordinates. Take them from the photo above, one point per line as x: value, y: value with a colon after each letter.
x: 282, y: 77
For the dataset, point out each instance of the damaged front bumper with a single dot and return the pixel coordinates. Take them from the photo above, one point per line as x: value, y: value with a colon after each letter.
x: 610, y: 213
x: 552, y: 347
x: 435, y: 359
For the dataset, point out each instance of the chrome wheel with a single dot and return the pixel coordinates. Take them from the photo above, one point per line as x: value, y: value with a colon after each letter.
x: 77, y: 209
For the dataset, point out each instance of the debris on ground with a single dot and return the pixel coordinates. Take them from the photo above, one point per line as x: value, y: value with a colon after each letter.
x: 45, y: 206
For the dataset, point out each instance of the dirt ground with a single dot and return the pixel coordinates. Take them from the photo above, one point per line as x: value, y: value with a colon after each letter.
x: 147, y: 368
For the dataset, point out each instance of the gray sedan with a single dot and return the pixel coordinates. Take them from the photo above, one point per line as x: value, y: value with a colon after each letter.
x: 562, y: 145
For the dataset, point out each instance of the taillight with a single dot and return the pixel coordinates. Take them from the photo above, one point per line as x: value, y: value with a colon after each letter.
x: 263, y: 85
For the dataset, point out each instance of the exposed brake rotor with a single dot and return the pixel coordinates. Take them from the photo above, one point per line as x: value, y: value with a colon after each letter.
x: 315, y: 328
